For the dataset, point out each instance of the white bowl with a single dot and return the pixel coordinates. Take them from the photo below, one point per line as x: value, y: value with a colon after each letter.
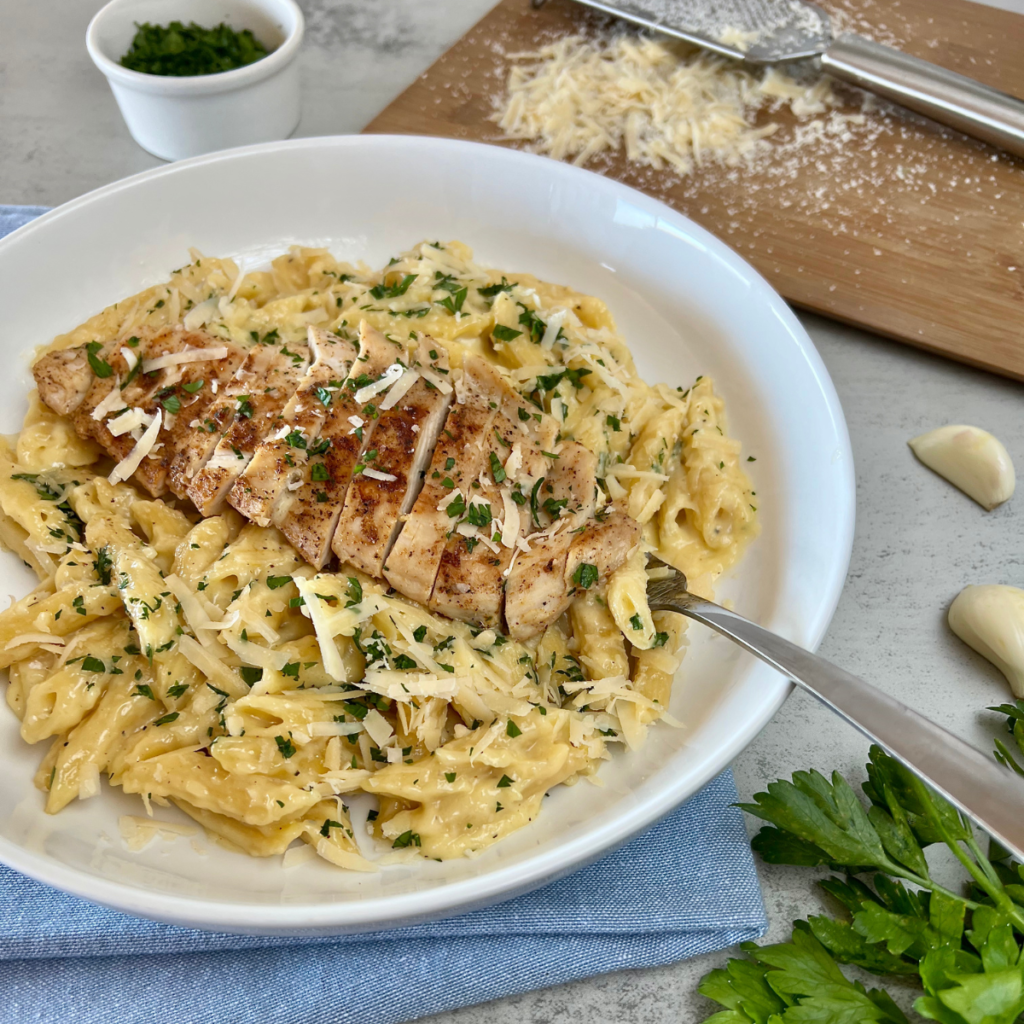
x: 173, y: 117
x: 687, y: 305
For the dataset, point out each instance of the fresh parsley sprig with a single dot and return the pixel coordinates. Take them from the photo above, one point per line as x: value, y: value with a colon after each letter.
x: 896, y: 919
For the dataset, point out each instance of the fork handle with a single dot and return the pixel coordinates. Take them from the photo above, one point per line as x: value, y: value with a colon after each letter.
x: 974, y: 782
x: 943, y: 95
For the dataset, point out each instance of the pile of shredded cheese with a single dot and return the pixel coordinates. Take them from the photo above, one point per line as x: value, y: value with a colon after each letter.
x: 666, y: 105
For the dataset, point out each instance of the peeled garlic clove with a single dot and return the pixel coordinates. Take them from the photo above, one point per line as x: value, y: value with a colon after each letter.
x: 971, y: 459
x: 991, y: 620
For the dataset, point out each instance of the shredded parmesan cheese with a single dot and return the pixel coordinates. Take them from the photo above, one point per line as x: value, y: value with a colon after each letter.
x: 186, y: 355
x: 387, y: 378
x: 143, y: 447
x: 112, y: 401
x: 376, y: 474
x: 399, y: 390
x: 665, y: 105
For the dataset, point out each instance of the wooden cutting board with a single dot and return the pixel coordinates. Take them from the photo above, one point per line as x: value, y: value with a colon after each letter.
x: 895, y: 224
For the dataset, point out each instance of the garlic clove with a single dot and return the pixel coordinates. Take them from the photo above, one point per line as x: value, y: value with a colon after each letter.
x: 969, y: 458
x: 990, y: 619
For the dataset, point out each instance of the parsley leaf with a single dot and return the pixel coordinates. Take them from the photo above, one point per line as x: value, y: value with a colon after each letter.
x: 392, y: 291
x: 585, y: 575
x: 502, y: 333
x: 100, y: 367
x: 286, y: 746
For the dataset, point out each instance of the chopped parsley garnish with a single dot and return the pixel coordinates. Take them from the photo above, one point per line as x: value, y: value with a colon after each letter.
x: 181, y: 50
x: 325, y: 829
x: 548, y: 382
x: 419, y: 634
x: 143, y: 690
x: 492, y: 290
x: 251, y: 674
x: 660, y: 639
x: 291, y: 670
x: 503, y: 333
x: 103, y: 565
x: 533, y: 323
x: 403, y: 661
x: 497, y: 469
x: 409, y: 838
x: 392, y: 291
x: 614, y: 422
x: 479, y: 515
x: 504, y: 782
x: 245, y: 409
x: 278, y: 581
x: 357, y: 711
x: 172, y: 404
x: 585, y: 575
x: 354, y: 591
x: 454, y: 301
x: 167, y: 719
x: 175, y: 691
x: 91, y: 664
x: 318, y: 471
x: 513, y: 730
x: 286, y: 746
x: 295, y: 440
x: 324, y: 395
x: 636, y: 622
x: 449, y: 776
x: 132, y: 373
x: 100, y: 367
x: 456, y: 508
x: 196, y: 385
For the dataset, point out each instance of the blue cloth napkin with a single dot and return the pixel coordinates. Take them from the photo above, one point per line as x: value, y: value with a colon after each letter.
x: 685, y: 887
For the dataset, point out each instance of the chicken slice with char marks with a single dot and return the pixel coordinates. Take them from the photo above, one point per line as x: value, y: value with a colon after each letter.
x: 309, y: 513
x: 471, y: 575
x: 402, y: 444
x: 182, y: 386
x: 263, y: 486
x: 260, y: 390
x: 536, y: 592
x: 189, y: 388
x: 460, y: 455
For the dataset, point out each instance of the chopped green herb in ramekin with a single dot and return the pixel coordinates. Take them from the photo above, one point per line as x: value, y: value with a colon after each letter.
x: 181, y: 50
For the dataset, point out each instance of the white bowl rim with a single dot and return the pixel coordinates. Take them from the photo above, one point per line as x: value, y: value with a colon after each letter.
x: 452, y: 898
x: 221, y: 81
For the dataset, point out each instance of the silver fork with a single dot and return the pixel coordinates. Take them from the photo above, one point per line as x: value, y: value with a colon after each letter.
x: 984, y: 790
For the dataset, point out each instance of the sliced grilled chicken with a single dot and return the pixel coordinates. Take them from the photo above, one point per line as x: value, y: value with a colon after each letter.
x: 544, y: 581
x: 458, y: 459
x: 392, y: 466
x: 309, y: 512
x: 604, y: 543
x: 260, y: 390
x: 471, y: 574
x: 536, y: 592
x: 63, y: 379
x: 122, y: 397
x: 260, y: 490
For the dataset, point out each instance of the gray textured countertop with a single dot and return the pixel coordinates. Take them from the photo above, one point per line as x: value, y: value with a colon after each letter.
x: 918, y: 541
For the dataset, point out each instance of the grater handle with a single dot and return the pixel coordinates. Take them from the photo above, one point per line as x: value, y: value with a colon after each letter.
x: 955, y: 100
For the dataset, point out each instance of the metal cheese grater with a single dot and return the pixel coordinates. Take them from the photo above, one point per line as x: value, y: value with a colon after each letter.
x: 772, y: 31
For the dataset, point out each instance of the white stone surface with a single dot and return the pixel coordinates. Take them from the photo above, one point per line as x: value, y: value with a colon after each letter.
x: 918, y: 540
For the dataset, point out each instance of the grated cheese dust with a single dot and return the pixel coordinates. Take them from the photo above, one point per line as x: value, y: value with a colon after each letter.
x: 665, y: 105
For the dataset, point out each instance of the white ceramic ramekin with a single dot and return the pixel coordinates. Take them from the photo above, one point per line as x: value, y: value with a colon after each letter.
x: 173, y: 117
